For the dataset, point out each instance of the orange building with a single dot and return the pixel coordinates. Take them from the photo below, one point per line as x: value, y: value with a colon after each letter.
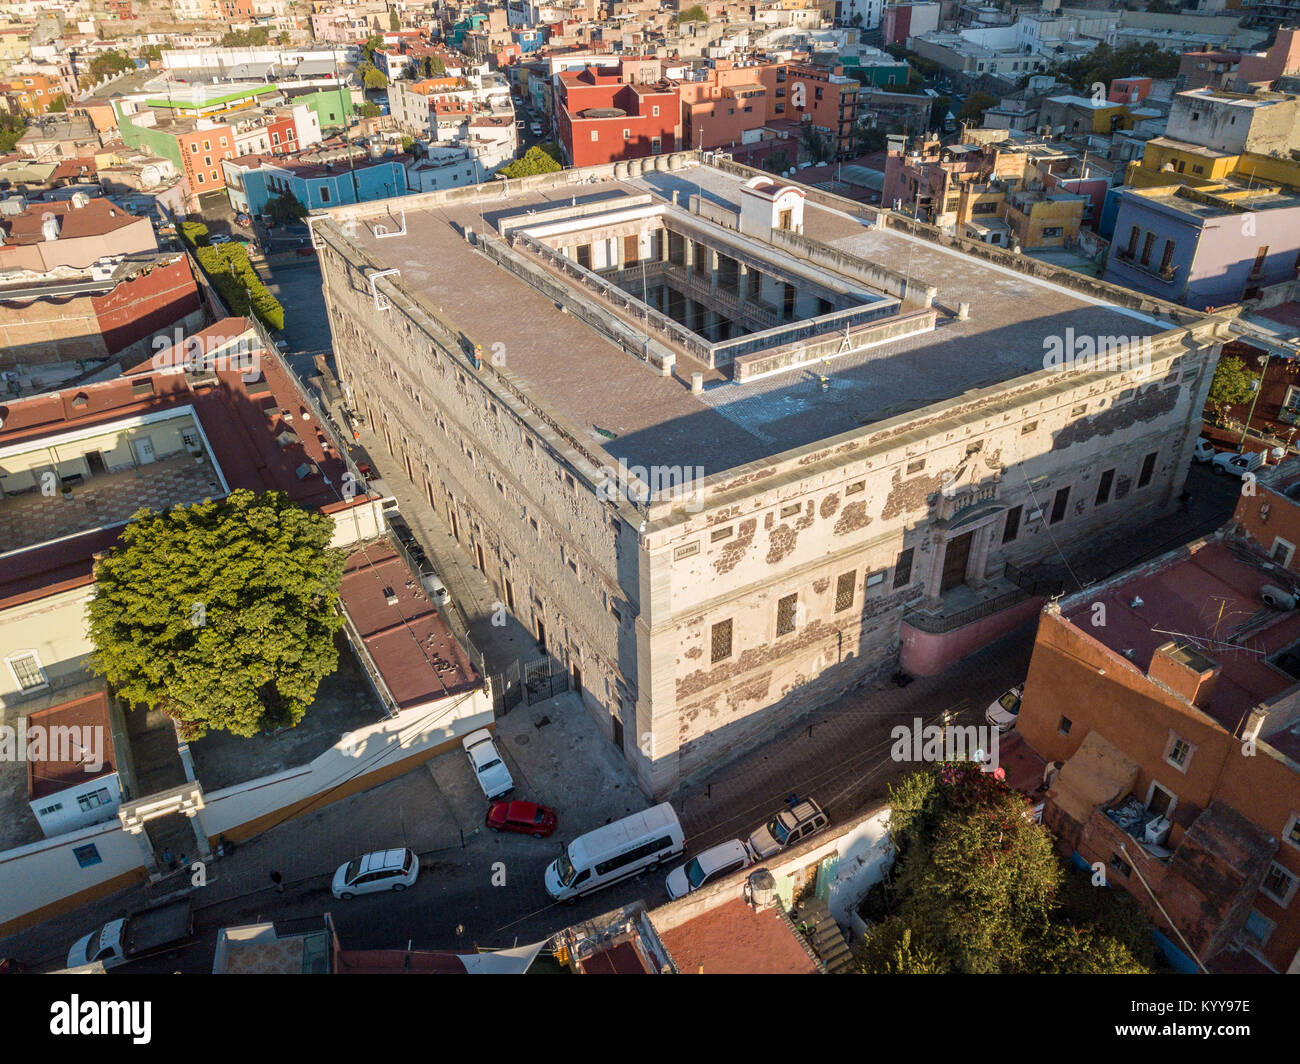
x: 202, y: 151
x: 31, y: 94
x: 1167, y: 701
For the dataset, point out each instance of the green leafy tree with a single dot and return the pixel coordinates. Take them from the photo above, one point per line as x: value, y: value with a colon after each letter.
x: 778, y: 162
x: 816, y: 143
x: 286, y: 208
x: 975, y: 887
x: 221, y: 614
x: 972, y: 111
x: 369, y: 109
x: 535, y: 161
x: 432, y: 66
x: 11, y: 128
x: 372, y: 77
x: 59, y: 106
x: 939, y: 107
x: 282, y: 38
x: 693, y: 14
x: 1104, y: 64
x: 110, y: 62
x: 394, y: 22
x: 195, y: 234
x: 152, y: 53
x: 1232, y: 384
x: 408, y: 144
x: 369, y: 47
x: 238, y: 284
x: 868, y: 141
x: 250, y: 38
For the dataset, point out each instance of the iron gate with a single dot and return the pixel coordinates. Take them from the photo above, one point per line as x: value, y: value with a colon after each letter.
x: 507, y: 691
x: 545, y: 678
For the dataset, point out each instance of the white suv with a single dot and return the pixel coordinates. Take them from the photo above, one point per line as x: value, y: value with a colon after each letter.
x: 490, y: 770
x: 375, y: 872
x: 712, y: 864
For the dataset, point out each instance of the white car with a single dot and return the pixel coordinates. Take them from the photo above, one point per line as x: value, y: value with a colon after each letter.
x: 1236, y: 464
x: 536, y: 129
x: 493, y: 776
x: 712, y: 864
x: 1003, y: 713
x: 1203, y: 451
x: 376, y: 872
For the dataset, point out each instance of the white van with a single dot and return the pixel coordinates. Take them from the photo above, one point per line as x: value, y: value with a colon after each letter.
x: 615, y: 852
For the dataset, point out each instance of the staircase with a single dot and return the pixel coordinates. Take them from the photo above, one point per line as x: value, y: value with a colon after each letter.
x: 813, y: 917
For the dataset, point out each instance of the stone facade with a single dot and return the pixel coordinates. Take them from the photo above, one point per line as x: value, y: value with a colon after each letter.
x: 701, y: 619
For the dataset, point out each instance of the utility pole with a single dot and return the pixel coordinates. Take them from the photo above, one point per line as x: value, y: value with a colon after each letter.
x: 347, y: 133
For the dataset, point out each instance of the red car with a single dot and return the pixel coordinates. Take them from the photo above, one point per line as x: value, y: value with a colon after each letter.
x: 527, y: 818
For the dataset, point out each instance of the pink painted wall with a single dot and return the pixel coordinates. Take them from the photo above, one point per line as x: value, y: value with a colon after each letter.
x: 923, y: 654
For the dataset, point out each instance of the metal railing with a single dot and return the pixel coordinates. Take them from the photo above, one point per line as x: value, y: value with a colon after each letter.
x: 947, y: 622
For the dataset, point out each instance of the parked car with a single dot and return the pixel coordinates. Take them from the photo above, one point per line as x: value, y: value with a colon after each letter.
x: 489, y: 769
x: 713, y: 863
x: 243, y: 219
x: 220, y: 238
x: 376, y: 872
x: 536, y: 129
x: 525, y: 818
x: 1237, y: 464
x: 801, y: 820
x: 1002, y: 714
x: 1204, y: 450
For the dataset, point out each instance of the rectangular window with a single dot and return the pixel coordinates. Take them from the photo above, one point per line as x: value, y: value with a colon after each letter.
x: 903, y: 569
x: 1058, y: 505
x: 1282, y: 552
x: 1179, y: 752
x: 785, y: 614
x: 595, y: 135
x: 1148, y: 469
x: 1065, y: 725
x: 1103, y: 487
x: 1147, y: 245
x: 1012, y: 528
x: 915, y: 467
x: 27, y: 671
x: 1167, y: 256
x: 844, y: 588
x: 1079, y: 411
x: 720, y: 641
x: 854, y: 489
x: 876, y: 579
x: 1260, y: 256
x: 1028, y: 427
x: 87, y: 855
x: 1131, y: 250
x: 722, y: 533
x: 790, y: 511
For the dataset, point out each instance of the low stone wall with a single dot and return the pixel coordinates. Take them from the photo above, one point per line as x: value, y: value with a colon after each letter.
x: 791, y: 356
x: 869, y: 273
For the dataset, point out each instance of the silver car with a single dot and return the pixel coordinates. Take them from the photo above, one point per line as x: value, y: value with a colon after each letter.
x: 788, y: 828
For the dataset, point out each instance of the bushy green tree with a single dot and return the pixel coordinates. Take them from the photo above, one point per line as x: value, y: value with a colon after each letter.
x: 11, y: 128
x: 238, y: 284
x: 1104, y: 64
x: 693, y: 14
x: 1232, y: 384
x: 535, y: 161
x: 976, y: 888
x: 286, y: 208
x: 372, y: 77
x: 972, y: 111
x: 110, y: 62
x: 221, y: 614
x: 195, y: 234
x: 369, y: 109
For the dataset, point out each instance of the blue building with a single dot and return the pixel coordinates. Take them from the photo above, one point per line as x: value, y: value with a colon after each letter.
x: 252, y: 181
x: 528, y: 40
x: 1204, y: 247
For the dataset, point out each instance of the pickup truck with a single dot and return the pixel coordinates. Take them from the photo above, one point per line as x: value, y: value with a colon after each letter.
x: 136, y: 936
x: 1236, y: 464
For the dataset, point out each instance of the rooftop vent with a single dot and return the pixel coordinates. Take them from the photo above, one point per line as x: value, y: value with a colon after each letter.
x: 49, y: 227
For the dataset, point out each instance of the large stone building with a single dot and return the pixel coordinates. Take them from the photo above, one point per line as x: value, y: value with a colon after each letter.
x: 728, y: 447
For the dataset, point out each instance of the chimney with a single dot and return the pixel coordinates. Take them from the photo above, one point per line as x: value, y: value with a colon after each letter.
x: 697, y: 383
x: 1254, y: 724
x: 1185, y: 671
x: 963, y: 311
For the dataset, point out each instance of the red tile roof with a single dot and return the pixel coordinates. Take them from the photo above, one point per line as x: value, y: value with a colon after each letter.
x: 733, y: 939
x: 51, y: 774
x: 99, y: 216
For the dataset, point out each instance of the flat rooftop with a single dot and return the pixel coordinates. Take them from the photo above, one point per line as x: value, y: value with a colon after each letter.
x: 1210, y: 601
x: 618, y: 403
x: 415, y: 652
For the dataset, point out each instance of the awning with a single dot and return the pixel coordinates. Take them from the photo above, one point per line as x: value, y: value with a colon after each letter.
x: 1098, y: 774
x: 514, y: 961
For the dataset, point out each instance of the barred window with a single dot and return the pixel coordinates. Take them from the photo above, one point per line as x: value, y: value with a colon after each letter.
x: 903, y: 568
x: 721, y: 641
x: 785, y: 612
x: 844, y: 588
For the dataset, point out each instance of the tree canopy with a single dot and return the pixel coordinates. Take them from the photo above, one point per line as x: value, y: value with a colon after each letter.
x: 372, y: 77
x: 110, y: 62
x: 1232, y: 383
x: 536, y: 160
x: 220, y: 614
x: 11, y: 128
x: 1104, y: 64
x: 693, y: 14
x: 976, y: 104
x: 286, y: 207
x: 249, y: 38
x: 976, y: 887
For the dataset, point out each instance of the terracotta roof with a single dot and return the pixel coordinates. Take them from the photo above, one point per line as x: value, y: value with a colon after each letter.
x: 733, y: 939
x: 99, y: 216
x: 50, y: 774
